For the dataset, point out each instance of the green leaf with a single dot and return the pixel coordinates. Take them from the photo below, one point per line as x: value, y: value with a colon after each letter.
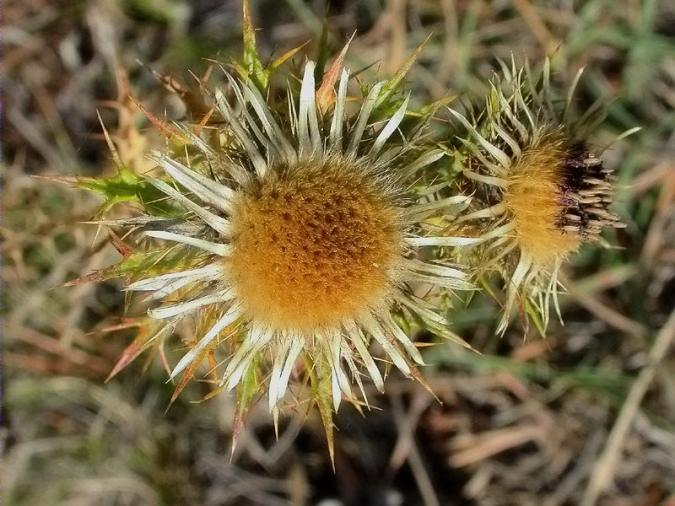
x: 391, y: 86
x: 247, y: 391
x: 142, y: 264
x: 150, y: 263
x: 323, y: 53
x: 322, y: 393
x: 284, y: 58
x: 535, y: 316
x: 126, y: 186
x: 253, y: 66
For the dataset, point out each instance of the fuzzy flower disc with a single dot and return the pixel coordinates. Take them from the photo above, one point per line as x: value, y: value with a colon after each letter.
x: 535, y: 197
x: 314, y: 244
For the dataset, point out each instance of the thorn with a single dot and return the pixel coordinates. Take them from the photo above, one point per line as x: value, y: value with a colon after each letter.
x: 117, y: 160
x: 122, y: 248
x: 275, y: 417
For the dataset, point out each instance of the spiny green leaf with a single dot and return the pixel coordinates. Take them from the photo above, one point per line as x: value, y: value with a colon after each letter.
x: 284, y: 58
x: 253, y: 66
x: 142, y: 264
x: 322, y: 395
x: 151, y: 263
x: 126, y: 186
x: 322, y: 53
x: 535, y: 316
x: 391, y: 86
x: 248, y: 390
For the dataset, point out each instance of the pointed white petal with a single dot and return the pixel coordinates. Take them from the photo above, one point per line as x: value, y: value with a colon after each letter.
x: 164, y: 312
x: 489, y: 180
x: 442, y: 241
x: 171, y: 287
x: 343, y: 381
x: 339, y: 381
x: 512, y: 291
x: 421, y: 162
x: 230, y: 316
x: 389, y: 128
x: 158, y: 282
x: 210, y: 191
x: 436, y: 269
x: 402, y: 338
x: 497, y: 153
x: 359, y: 341
x: 335, y: 389
x: 476, y: 152
x: 268, y: 122
x: 449, y: 205
x: 338, y: 112
x: 255, y: 339
x: 249, y: 123
x: 513, y: 144
x: 570, y: 93
x: 506, y: 109
x: 526, y: 110
x: 375, y: 330
x: 296, y: 348
x: 488, y: 212
x: 235, y: 170
x: 217, y: 223
x: 452, y: 283
x: 422, y: 308
x: 212, y: 247
x: 273, y: 394
x: 362, y: 120
x: 501, y: 231
x: 242, y: 135
x: 356, y: 375
x: 308, y: 124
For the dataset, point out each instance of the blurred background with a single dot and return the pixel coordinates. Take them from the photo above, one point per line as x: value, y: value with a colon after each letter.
x: 585, y: 416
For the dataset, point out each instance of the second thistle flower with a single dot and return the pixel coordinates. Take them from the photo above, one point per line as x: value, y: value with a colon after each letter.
x: 544, y: 192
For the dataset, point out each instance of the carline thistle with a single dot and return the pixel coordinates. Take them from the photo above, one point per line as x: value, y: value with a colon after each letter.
x: 544, y: 192
x: 302, y: 234
x: 303, y: 237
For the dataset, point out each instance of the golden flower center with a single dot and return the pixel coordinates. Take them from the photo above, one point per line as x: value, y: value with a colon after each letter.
x: 313, y: 245
x: 534, y: 197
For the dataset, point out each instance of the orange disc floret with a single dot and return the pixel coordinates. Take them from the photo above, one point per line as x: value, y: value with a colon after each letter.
x: 314, y: 244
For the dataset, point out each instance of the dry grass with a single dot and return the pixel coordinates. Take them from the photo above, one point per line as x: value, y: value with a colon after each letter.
x: 530, y: 423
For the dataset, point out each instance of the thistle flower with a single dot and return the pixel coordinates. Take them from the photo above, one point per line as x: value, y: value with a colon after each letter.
x: 301, y: 238
x: 545, y: 192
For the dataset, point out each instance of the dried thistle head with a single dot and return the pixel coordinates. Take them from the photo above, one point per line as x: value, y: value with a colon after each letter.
x: 545, y: 193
